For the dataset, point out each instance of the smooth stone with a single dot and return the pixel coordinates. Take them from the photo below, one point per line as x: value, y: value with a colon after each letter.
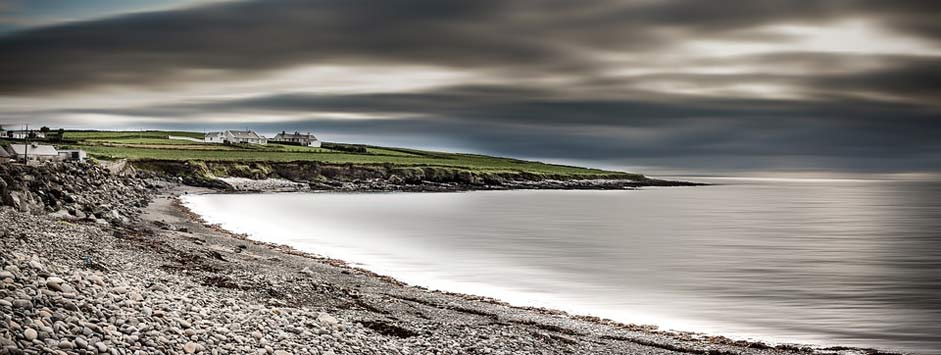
x: 55, y: 283
x: 36, y: 265
x: 190, y: 347
x: 30, y: 334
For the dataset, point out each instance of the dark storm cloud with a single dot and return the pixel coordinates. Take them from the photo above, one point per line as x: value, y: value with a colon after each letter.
x: 246, y: 38
x: 255, y: 36
x: 914, y: 78
x: 560, y: 87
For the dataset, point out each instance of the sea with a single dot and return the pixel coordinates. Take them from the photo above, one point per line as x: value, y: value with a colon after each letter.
x: 827, y: 262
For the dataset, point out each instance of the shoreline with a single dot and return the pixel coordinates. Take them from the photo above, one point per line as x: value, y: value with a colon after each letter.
x: 646, y: 328
x: 171, y: 283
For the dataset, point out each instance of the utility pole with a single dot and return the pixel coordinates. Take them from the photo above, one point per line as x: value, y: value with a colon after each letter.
x: 26, y: 146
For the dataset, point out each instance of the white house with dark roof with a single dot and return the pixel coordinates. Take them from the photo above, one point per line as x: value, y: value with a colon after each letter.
x: 235, y: 137
x: 33, y: 151
x: 303, y: 139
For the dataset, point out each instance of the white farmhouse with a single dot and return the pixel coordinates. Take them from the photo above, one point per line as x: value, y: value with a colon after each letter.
x: 215, y: 137
x: 235, y: 137
x: 22, y: 134
x: 303, y: 139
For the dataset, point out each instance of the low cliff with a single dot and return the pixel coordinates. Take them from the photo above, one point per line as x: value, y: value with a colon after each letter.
x: 384, y: 177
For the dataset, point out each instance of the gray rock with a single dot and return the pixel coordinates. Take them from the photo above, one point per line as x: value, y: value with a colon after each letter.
x: 22, y: 303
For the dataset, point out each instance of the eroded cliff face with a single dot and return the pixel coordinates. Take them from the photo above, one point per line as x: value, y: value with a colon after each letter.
x: 327, y: 176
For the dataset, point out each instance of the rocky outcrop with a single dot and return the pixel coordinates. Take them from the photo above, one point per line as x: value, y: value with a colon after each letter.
x: 74, y: 190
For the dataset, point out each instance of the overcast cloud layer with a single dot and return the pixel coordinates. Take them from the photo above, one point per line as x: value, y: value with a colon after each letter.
x: 845, y: 86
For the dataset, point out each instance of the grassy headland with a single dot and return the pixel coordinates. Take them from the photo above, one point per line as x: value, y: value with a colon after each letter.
x: 155, y: 145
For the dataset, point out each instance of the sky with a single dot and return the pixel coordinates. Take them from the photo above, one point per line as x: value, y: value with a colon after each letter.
x: 660, y: 87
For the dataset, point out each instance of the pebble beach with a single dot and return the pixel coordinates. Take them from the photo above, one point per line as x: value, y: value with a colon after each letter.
x: 96, y: 263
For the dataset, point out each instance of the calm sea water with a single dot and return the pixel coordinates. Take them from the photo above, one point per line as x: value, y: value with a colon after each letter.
x: 830, y: 262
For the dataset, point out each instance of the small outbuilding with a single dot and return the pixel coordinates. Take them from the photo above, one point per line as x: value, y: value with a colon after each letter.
x: 72, y: 154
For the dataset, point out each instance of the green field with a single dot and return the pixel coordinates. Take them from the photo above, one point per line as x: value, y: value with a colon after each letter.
x: 110, y: 145
x: 80, y: 135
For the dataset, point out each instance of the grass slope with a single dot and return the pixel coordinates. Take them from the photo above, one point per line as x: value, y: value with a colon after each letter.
x: 155, y: 145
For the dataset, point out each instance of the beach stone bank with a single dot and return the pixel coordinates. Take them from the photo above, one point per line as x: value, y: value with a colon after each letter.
x: 51, y: 307
x: 77, y: 191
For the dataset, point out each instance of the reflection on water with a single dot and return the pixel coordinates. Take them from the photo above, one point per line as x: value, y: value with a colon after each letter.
x: 828, y: 262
